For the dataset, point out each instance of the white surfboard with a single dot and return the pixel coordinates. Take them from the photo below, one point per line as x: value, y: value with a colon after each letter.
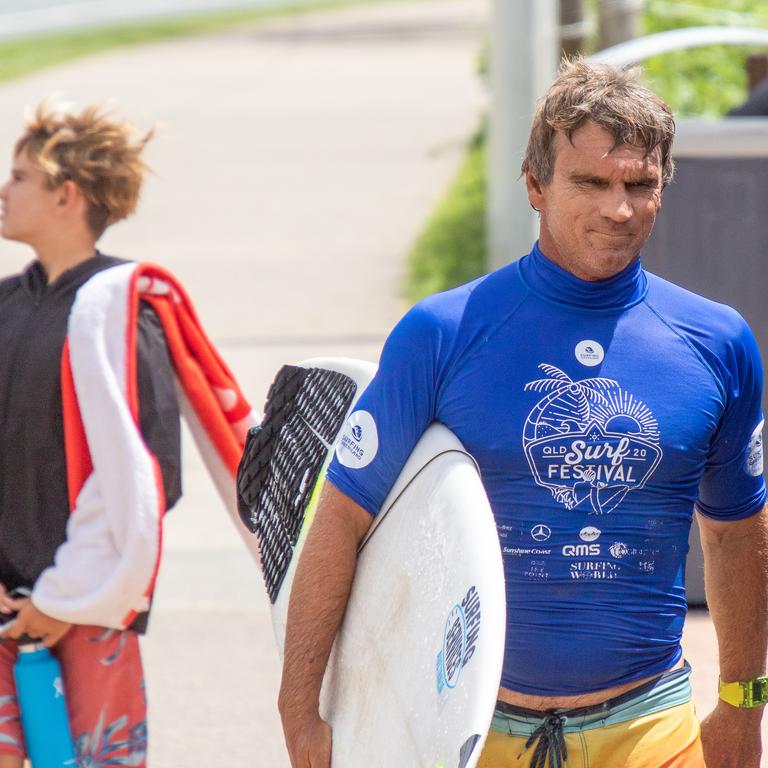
x: 415, y: 669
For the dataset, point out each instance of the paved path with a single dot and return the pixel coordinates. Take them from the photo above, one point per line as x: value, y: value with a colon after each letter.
x: 294, y: 165
x: 27, y: 18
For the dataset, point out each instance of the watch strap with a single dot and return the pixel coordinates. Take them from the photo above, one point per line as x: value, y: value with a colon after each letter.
x: 744, y: 693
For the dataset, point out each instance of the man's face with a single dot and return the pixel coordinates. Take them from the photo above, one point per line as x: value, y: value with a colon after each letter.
x: 598, y: 210
x: 26, y: 204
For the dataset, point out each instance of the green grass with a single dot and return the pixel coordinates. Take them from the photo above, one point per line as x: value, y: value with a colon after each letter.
x: 452, y: 248
x: 705, y: 81
x: 21, y: 57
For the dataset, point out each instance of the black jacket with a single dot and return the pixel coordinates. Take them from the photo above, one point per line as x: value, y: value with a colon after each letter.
x: 34, y: 506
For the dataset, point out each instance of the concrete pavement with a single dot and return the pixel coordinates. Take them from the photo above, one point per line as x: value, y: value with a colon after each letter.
x: 294, y: 164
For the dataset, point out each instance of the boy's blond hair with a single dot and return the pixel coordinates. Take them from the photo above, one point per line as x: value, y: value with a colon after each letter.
x: 100, y: 155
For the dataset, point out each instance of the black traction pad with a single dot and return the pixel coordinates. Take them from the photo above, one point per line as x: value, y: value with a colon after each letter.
x: 283, y: 458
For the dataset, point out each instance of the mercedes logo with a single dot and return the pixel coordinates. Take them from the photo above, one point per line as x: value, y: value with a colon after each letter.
x: 540, y: 532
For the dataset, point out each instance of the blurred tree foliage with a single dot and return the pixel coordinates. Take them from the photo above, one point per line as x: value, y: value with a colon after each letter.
x: 705, y: 81
x: 708, y: 80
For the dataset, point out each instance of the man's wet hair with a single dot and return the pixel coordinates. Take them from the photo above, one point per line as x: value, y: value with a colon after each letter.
x: 612, y: 98
x: 101, y: 155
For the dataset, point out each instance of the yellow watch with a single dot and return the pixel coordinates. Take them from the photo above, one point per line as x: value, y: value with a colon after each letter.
x: 744, y: 693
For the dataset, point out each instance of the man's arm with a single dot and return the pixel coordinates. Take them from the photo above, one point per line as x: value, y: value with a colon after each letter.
x: 319, y: 597
x: 736, y: 578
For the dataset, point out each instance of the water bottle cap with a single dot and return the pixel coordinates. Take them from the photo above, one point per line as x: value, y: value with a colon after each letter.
x: 28, y: 645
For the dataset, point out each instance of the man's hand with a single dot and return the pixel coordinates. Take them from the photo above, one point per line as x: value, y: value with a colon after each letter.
x: 731, y: 737
x: 308, y: 742
x: 33, y: 622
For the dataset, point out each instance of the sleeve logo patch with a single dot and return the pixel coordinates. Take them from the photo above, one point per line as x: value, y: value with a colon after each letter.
x: 359, y: 441
x: 754, y: 465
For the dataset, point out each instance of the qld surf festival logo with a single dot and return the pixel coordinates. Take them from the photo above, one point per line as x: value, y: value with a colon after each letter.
x: 588, y: 441
x: 462, y: 628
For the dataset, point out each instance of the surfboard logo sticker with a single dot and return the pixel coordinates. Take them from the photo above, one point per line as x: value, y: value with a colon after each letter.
x: 460, y: 634
x: 589, y: 441
x: 358, y: 442
x: 454, y: 643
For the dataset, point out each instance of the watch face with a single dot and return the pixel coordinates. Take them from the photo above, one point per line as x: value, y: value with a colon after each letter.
x: 757, y: 692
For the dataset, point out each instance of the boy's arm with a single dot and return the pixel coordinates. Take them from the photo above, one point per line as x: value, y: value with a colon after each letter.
x: 158, y: 404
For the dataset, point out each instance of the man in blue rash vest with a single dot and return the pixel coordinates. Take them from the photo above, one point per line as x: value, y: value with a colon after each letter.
x: 603, y: 405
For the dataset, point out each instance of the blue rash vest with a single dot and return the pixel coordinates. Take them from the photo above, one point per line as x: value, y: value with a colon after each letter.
x: 599, y: 414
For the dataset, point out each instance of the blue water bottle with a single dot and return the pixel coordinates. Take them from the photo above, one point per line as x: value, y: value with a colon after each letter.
x: 43, y: 709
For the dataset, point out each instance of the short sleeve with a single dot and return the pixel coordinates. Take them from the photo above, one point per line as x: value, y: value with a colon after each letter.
x: 392, y: 413
x: 732, y: 486
x: 158, y: 405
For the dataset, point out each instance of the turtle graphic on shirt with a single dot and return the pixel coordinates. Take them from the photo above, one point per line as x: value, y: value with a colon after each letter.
x: 588, y: 441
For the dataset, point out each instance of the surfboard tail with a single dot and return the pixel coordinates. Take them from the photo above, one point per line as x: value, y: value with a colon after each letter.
x: 284, y: 457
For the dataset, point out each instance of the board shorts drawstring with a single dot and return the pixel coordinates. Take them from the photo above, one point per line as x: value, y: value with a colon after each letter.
x: 551, y: 746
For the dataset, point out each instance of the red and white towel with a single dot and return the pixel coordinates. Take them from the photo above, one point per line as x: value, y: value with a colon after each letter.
x: 105, y: 571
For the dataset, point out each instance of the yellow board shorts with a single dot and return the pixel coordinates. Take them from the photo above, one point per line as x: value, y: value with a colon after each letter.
x: 652, y: 726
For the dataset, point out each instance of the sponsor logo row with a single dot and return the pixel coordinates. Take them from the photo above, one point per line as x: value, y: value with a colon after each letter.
x: 617, y: 550
x: 589, y: 534
x: 541, y: 532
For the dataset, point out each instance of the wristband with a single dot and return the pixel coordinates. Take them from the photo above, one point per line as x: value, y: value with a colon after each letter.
x: 744, y: 693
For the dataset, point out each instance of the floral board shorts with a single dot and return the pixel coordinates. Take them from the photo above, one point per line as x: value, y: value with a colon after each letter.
x: 651, y: 726
x: 104, y: 688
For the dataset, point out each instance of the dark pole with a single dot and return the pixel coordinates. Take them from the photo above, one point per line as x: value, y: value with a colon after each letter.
x: 757, y: 69
x: 573, y: 27
x: 619, y: 21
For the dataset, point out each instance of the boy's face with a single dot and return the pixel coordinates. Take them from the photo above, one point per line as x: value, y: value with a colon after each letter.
x: 27, y: 206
